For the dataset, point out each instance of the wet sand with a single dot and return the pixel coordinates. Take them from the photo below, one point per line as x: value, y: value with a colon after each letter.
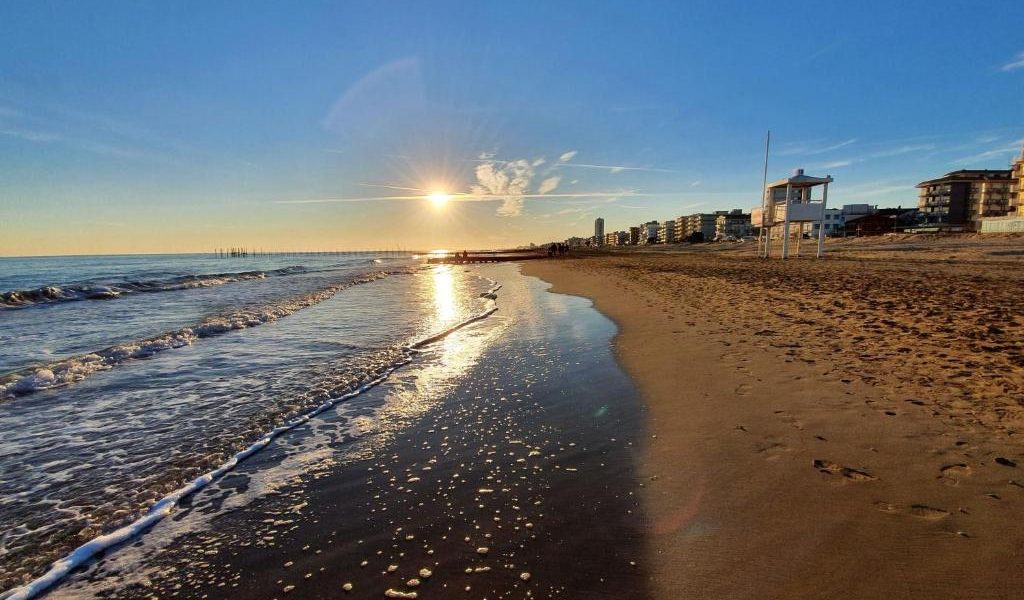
x: 844, y: 428
x: 502, y: 465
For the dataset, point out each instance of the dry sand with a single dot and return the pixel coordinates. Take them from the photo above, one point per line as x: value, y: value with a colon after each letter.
x: 845, y: 428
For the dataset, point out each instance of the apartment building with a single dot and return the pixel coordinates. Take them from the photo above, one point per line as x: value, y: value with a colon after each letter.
x: 837, y: 219
x: 700, y: 227
x: 959, y: 200
x: 1017, y: 187
x: 667, y: 232
x: 649, y: 232
x: 682, y: 234
x: 616, y: 238
x: 735, y: 224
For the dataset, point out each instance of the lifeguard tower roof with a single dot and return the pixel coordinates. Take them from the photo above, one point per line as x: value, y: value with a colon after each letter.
x: 799, y: 180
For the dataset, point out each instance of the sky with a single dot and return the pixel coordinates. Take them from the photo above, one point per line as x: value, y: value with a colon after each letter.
x: 131, y: 127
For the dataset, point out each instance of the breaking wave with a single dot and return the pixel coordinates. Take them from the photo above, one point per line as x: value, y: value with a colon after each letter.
x: 77, y: 368
x: 163, y: 507
x: 71, y: 293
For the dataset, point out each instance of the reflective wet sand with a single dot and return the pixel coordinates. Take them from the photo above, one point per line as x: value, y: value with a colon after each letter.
x: 500, y: 463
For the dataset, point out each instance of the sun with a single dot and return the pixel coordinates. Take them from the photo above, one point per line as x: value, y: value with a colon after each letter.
x: 438, y: 199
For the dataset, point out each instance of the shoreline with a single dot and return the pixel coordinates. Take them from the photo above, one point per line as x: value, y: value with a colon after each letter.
x: 460, y: 476
x: 771, y: 471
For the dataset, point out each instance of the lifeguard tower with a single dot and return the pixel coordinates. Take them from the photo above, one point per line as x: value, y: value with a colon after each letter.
x: 786, y: 202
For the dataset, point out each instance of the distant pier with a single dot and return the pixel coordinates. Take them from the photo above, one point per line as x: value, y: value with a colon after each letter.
x: 487, y: 256
x: 240, y: 252
x: 433, y: 258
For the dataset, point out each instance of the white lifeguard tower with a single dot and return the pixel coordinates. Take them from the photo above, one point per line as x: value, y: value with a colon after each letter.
x: 789, y: 201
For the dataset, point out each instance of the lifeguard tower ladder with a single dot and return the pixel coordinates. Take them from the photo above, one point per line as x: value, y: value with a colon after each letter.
x: 788, y: 201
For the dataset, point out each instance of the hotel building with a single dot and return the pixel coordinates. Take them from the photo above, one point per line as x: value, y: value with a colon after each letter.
x: 958, y: 201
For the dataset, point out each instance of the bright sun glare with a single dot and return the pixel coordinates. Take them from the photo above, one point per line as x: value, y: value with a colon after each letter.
x: 438, y: 199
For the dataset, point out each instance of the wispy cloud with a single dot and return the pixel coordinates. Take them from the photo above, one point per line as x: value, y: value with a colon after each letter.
x: 572, y: 210
x: 31, y: 136
x: 1001, y: 151
x: 696, y: 183
x: 883, y: 152
x: 71, y: 127
x: 900, y: 150
x: 395, y: 187
x: 483, y: 196
x: 873, y: 189
x: 548, y: 185
x: 821, y: 52
x: 563, y: 162
x: 616, y: 168
x: 511, y: 181
x: 1015, y: 64
x: 101, y: 148
x: 514, y: 184
x: 567, y: 197
x: 507, y: 181
x: 811, y: 148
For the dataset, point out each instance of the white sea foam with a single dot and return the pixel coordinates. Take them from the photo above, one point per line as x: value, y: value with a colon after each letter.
x: 77, y: 368
x: 90, y: 291
x: 163, y: 507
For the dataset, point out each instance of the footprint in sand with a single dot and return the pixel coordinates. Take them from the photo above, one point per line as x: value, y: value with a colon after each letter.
x: 830, y: 468
x: 920, y: 511
x: 790, y: 420
x: 952, y: 474
x: 772, y: 449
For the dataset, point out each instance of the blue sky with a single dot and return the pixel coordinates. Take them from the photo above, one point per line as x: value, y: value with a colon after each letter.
x: 140, y: 127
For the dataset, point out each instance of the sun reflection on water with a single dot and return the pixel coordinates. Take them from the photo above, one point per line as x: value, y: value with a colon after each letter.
x: 437, y: 368
x: 444, y: 294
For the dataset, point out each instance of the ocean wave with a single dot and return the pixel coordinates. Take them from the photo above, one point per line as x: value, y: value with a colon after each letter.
x: 76, y: 368
x: 163, y: 507
x: 71, y: 293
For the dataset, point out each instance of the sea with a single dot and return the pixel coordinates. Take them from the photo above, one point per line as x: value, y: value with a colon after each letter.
x: 135, y: 388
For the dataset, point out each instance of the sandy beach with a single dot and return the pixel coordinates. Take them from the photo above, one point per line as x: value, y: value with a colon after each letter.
x: 842, y: 428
